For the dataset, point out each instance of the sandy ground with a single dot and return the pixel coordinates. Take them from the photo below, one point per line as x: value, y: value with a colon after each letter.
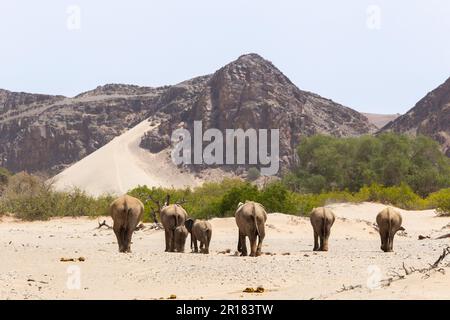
x: 30, y: 266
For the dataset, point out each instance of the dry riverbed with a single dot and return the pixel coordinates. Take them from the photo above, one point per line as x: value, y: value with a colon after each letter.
x: 31, y: 266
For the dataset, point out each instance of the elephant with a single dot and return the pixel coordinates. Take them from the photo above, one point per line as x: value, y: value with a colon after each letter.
x: 180, y: 235
x: 201, y: 231
x: 322, y: 220
x: 389, y: 221
x: 250, y: 219
x: 172, y: 216
x: 126, y: 212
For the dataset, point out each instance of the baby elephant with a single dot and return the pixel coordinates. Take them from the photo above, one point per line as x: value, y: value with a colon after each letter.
x: 180, y: 235
x: 201, y: 231
x: 321, y: 219
x: 389, y: 222
x: 126, y: 213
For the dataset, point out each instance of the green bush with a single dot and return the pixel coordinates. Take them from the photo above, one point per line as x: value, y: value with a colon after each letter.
x: 30, y: 197
x: 441, y: 201
x: 402, y: 196
x: 4, y: 176
x: 328, y: 164
x: 253, y: 174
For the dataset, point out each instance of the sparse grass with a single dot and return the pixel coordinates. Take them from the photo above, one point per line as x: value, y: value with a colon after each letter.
x: 30, y: 197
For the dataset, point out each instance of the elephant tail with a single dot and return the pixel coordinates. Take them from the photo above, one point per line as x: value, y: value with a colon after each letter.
x: 389, y: 228
x: 127, y: 212
x: 324, y: 223
x: 255, y: 220
x: 175, y: 218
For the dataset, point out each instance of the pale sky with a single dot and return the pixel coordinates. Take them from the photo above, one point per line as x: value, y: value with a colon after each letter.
x: 373, y: 56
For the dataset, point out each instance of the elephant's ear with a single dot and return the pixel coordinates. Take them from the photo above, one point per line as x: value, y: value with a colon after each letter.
x: 188, y: 224
x: 240, y: 204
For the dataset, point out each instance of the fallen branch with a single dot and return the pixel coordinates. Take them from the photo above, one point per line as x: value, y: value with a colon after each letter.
x: 344, y: 288
x: 445, y: 253
x: 444, y: 236
x: 103, y: 224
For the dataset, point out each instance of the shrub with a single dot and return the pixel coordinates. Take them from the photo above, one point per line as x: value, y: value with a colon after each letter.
x: 30, y: 197
x: 441, y: 201
x: 328, y: 164
x: 402, y: 196
x: 253, y: 174
x: 4, y: 176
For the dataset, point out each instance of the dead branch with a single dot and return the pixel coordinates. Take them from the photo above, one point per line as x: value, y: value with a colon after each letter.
x: 443, y: 236
x: 140, y: 227
x: 180, y: 202
x: 348, y: 288
x: 101, y: 224
x: 445, y: 252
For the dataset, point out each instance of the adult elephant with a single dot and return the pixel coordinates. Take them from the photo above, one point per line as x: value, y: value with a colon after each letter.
x: 322, y: 220
x: 126, y: 212
x: 250, y: 219
x: 172, y: 216
x: 389, y: 222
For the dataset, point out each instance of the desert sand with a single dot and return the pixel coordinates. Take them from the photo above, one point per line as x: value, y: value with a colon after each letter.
x: 30, y: 266
x: 102, y: 171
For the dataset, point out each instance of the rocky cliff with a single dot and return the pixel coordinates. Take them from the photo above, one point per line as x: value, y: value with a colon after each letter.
x: 252, y: 93
x: 430, y: 117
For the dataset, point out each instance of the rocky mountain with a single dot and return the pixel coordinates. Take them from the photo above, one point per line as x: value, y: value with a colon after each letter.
x: 48, y: 133
x: 252, y: 93
x: 430, y: 117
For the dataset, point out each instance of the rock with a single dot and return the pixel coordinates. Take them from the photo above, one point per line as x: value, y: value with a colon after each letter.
x: 430, y: 117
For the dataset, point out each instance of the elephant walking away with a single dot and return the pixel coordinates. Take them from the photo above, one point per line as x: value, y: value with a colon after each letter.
x: 250, y: 219
x: 389, y: 221
x: 200, y: 231
x: 322, y: 220
x: 126, y: 212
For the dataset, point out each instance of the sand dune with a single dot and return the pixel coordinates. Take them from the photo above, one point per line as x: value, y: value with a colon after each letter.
x: 31, y: 267
x: 104, y: 170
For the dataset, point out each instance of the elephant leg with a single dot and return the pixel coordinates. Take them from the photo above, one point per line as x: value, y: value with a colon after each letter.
x: 118, y: 233
x: 167, y: 235
x: 195, y: 245
x: 316, y: 241
x: 384, y: 235
x: 324, y: 240
x: 260, y: 240
x: 253, y: 239
x: 239, y: 246
x: 324, y: 243
x: 172, y: 241
x: 124, y: 239
x: 129, y: 235
x: 243, y: 245
x: 391, y: 242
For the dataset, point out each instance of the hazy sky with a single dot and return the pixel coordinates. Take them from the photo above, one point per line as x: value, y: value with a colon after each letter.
x: 374, y: 56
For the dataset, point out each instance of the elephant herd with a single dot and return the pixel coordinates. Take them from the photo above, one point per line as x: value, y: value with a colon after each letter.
x: 127, y: 212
